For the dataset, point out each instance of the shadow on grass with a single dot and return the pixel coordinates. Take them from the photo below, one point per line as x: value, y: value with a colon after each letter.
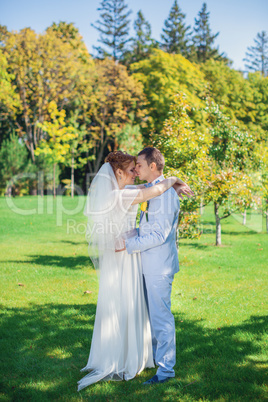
x: 199, y: 246
x: 71, y: 262
x: 239, y: 233
x: 44, y: 347
x: 207, y: 246
x: 209, y: 227
x: 223, y: 360
x: 74, y: 243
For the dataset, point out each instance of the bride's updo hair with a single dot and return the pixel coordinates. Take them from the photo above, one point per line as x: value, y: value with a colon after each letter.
x: 120, y: 160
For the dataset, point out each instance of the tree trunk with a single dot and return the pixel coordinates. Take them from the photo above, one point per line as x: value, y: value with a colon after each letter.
x: 72, y: 178
x: 32, y: 152
x: 9, y: 191
x: 54, y: 185
x: 40, y: 184
x: 266, y: 213
x: 244, y: 217
x: 218, y: 224
x: 201, y: 207
x: 100, y: 155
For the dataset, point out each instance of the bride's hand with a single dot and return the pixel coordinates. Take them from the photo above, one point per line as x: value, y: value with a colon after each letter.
x: 183, y: 189
x: 122, y: 249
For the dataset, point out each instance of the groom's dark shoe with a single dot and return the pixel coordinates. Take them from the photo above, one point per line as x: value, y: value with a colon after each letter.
x: 156, y: 380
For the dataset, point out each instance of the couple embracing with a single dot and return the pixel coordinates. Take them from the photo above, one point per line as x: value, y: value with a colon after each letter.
x: 134, y: 328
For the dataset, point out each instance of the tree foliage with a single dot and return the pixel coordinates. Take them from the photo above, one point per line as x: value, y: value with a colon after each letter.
x: 203, y: 39
x: 113, y: 26
x: 176, y: 34
x: 60, y: 142
x: 257, y: 56
x: 45, y: 69
x: 117, y: 100
x: 229, y: 185
x: 214, y: 158
x: 185, y: 148
x: 9, y: 100
x: 13, y: 162
x: 142, y: 44
x: 243, y: 100
x: 163, y: 75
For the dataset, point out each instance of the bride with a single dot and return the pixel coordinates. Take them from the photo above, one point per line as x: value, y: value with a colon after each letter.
x: 121, y: 345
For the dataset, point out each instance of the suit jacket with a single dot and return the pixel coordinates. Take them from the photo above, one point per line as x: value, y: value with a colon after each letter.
x: 156, y: 239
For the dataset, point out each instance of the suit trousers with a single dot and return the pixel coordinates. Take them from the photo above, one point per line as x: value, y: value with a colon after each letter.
x: 157, y: 289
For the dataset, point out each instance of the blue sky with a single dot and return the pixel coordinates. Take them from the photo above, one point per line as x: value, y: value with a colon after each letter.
x: 238, y: 21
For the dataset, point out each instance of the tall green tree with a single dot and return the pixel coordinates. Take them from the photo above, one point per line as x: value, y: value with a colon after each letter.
x: 143, y: 43
x: 176, y: 34
x: 229, y: 185
x: 243, y: 99
x: 13, y: 161
x: 203, y: 39
x: 162, y: 76
x: 113, y: 26
x: 185, y: 148
x: 259, y: 85
x: 257, y: 56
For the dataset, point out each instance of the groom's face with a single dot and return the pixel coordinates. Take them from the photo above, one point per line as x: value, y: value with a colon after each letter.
x: 142, y: 168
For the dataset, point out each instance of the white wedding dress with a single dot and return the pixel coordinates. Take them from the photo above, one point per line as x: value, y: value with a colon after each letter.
x: 121, y: 345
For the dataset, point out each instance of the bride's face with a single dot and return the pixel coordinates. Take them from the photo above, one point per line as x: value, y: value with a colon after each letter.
x: 129, y: 174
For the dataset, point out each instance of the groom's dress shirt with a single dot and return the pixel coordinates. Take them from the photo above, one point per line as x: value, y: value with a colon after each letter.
x: 157, y: 238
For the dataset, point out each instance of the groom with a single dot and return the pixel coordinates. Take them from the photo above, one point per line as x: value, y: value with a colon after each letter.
x: 157, y: 243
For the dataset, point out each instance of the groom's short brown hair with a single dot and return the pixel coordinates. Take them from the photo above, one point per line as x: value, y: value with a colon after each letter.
x: 153, y: 155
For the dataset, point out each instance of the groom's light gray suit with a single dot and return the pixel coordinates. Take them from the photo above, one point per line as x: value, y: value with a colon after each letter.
x: 156, y: 241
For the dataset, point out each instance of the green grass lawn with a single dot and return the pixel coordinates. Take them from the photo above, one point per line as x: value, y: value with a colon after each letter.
x: 219, y: 301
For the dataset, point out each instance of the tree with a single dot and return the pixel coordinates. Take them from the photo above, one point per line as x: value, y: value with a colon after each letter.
x: 214, y: 157
x: 176, y: 36
x: 58, y: 147
x: 114, y: 28
x: 230, y: 191
x: 13, y: 161
x: 259, y: 85
x: 45, y: 69
x: 203, y: 39
x: 117, y: 100
x: 244, y: 100
x: 162, y: 76
x: 130, y: 138
x: 8, y: 97
x: 78, y: 146
x: 230, y: 89
x: 68, y: 33
x: 257, y: 56
x: 142, y: 44
x: 229, y: 185
x: 185, y: 148
x: 261, y: 180
x: 9, y: 101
